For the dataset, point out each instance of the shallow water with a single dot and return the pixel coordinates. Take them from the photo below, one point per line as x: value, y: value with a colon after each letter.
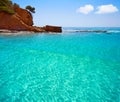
x: 68, y: 67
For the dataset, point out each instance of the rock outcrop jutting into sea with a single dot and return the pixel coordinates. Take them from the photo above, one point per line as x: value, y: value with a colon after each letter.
x: 21, y: 20
x: 49, y: 28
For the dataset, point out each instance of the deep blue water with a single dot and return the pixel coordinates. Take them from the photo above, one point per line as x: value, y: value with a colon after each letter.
x: 67, y: 67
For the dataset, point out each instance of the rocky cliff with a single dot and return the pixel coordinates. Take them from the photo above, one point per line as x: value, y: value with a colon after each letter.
x: 14, y: 18
x: 21, y: 20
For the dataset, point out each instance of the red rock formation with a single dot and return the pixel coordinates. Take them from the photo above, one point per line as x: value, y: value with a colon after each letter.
x: 49, y: 28
x: 11, y: 22
x: 20, y: 21
x: 25, y: 16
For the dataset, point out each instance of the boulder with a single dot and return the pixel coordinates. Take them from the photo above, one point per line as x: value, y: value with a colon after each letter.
x: 49, y: 28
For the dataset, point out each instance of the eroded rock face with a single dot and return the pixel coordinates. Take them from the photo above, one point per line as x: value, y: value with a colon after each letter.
x: 11, y: 22
x: 25, y: 16
x: 20, y: 21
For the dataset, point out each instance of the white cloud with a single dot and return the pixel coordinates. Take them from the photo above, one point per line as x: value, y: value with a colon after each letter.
x: 85, y: 9
x: 106, y: 9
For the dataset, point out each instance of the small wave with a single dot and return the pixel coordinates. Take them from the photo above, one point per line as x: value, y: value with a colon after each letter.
x: 114, y: 31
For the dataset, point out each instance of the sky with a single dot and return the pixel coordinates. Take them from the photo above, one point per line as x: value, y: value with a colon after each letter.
x: 74, y: 13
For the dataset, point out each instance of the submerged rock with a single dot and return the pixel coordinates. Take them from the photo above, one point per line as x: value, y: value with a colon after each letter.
x: 96, y: 31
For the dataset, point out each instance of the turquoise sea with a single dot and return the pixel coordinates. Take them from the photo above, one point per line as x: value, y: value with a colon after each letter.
x: 70, y: 67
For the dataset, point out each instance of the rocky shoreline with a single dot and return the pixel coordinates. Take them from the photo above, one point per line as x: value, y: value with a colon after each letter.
x: 22, y: 21
x: 45, y: 29
x: 14, y: 32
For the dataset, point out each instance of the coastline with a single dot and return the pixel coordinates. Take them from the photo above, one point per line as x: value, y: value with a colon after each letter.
x: 14, y: 32
x: 46, y: 29
x: 64, y: 30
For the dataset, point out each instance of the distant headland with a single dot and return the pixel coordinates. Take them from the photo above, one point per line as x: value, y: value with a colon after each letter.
x: 14, y: 18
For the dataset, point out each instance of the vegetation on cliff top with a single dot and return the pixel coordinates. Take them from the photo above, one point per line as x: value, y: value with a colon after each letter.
x: 30, y: 8
x: 8, y: 6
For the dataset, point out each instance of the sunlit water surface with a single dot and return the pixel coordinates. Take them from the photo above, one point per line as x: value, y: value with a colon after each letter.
x: 67, y: 67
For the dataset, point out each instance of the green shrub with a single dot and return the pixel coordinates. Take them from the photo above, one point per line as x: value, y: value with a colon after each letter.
x: 30, y: 8
x: 5, y: 9
x: 6, y: 6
